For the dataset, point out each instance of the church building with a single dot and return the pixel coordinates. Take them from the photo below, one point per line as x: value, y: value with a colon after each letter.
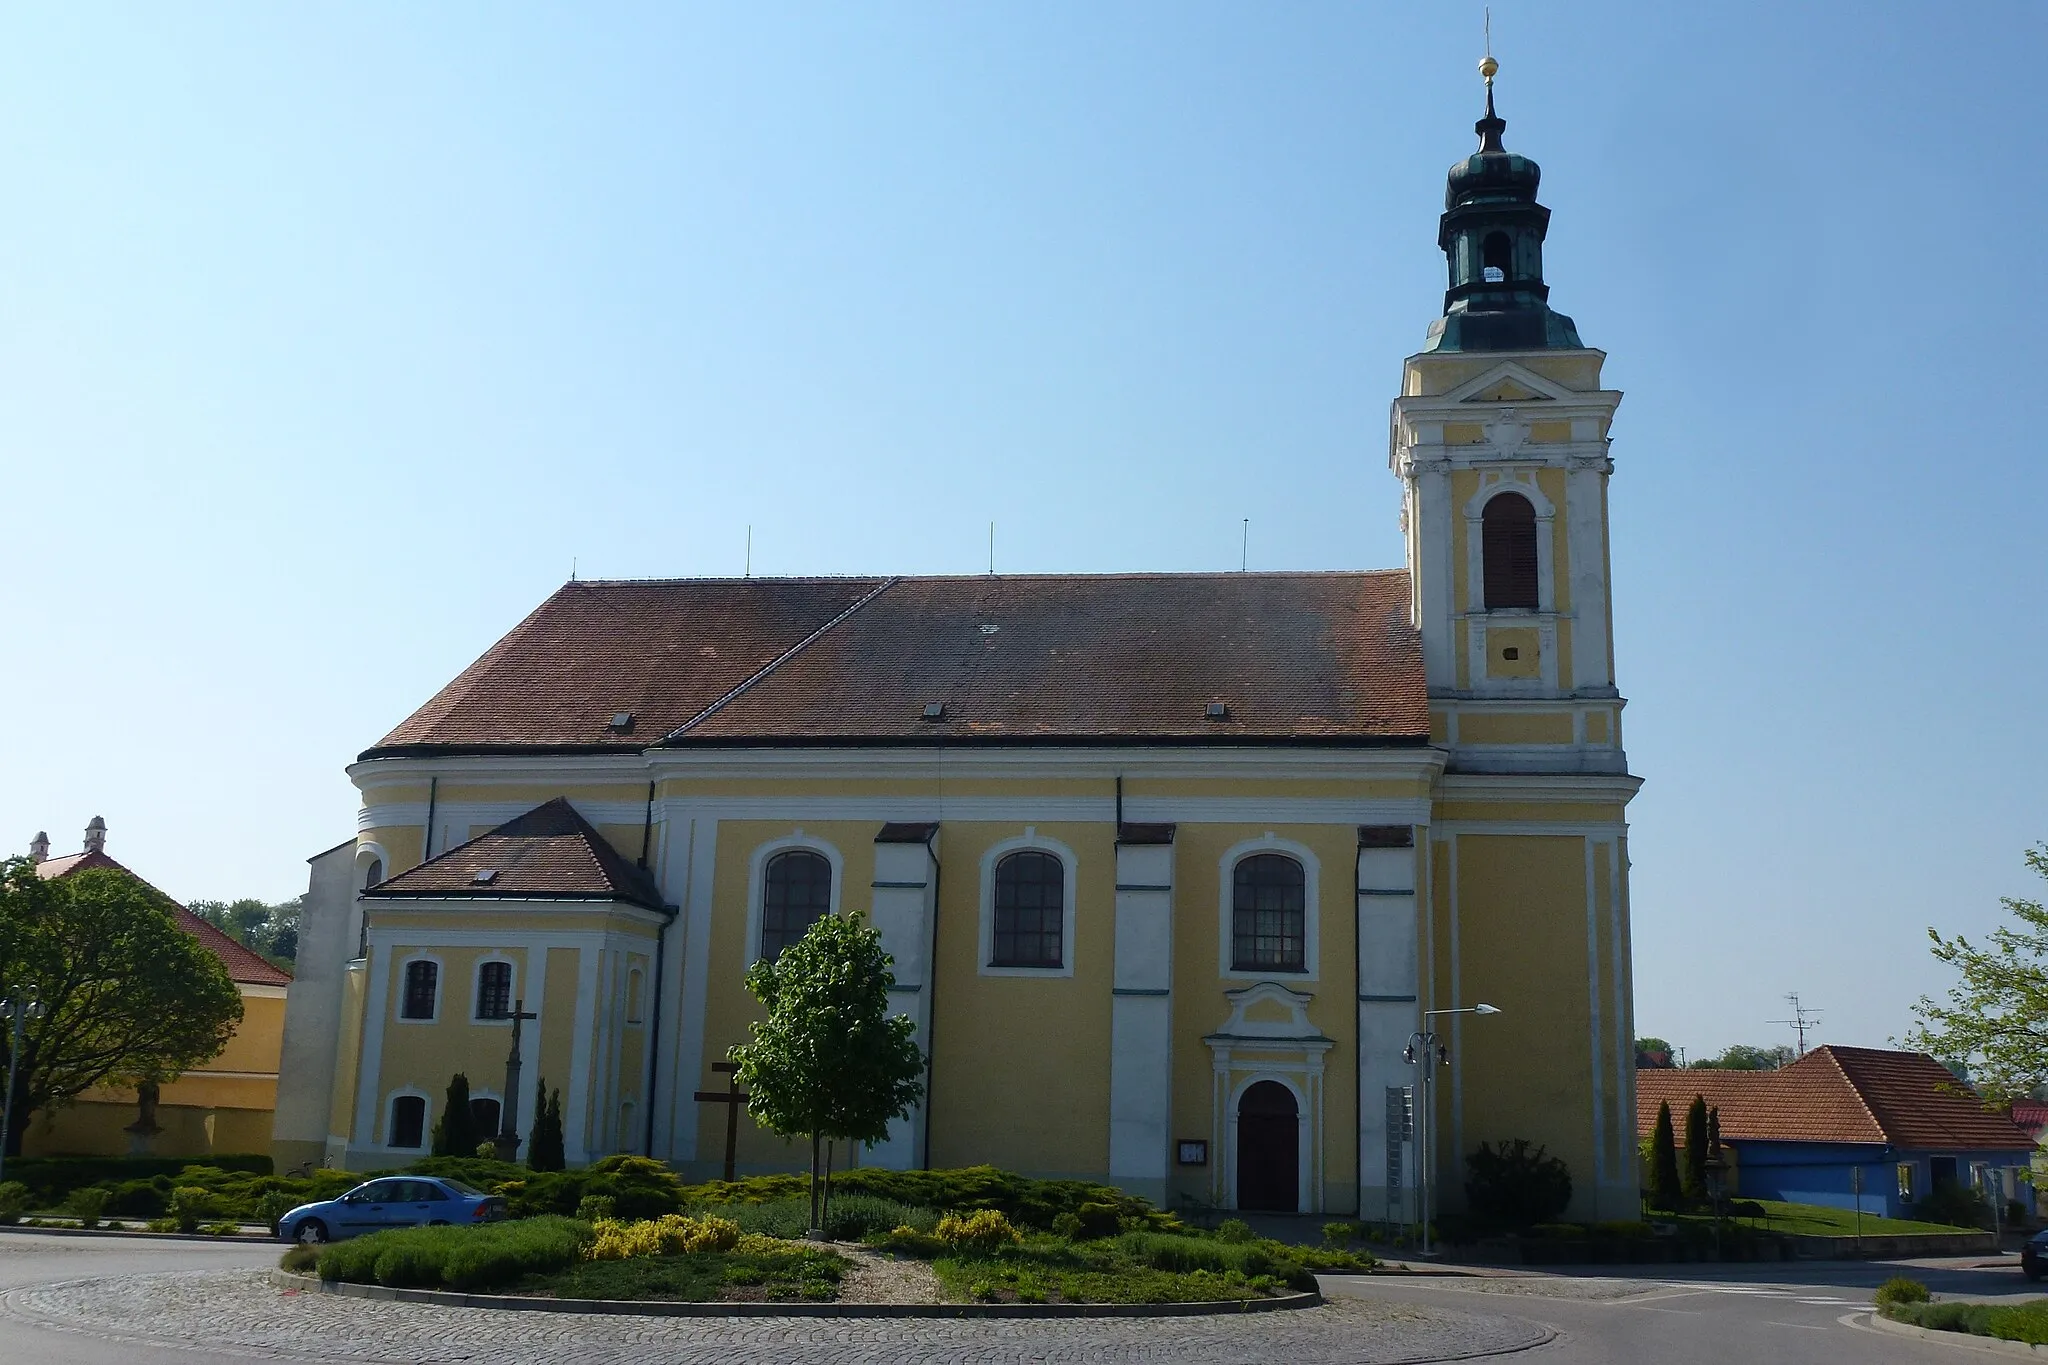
x: 1172, y: 866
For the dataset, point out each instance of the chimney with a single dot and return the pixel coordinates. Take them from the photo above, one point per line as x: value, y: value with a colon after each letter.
x: 96, y: 836
x: 39, y: 847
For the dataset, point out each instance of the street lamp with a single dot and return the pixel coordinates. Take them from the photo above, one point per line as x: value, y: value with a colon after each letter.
x: 1426, y: 1050
x: 17, y: 1007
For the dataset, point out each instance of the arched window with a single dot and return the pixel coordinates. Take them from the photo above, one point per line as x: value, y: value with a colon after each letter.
x: 422, y: 983
x: 484, y: 1113
x: 795, y: 895
x: 1507, y: 538
x: 1498, y: 256
x: 1269, y: 912
x: 373, y: 874
x: 634, y: 989
x: 494, y: 990
x: 1030, y: 906
x: 408, y: 1121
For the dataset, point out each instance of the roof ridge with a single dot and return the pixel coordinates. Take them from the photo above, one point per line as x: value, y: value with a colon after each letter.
x: 733, y: 694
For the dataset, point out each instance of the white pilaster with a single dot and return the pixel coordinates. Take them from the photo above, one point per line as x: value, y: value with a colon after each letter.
x: 905, y: 901
x: 1141, y: 1020
x: 1388, y: 972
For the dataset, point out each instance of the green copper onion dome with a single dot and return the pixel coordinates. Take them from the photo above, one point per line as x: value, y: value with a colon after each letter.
x: 1492, y: 236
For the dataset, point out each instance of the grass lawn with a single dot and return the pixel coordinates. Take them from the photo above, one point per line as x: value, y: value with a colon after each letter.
x: 1820, y: 1220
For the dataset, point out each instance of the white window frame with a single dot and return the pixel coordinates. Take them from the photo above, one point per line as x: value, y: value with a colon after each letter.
x: 1030, y: 841
x: 757, y: 881
x: 476, y: 988
x: 361, y: 912
x: 1311, y: 917
x: 1304, y: 1137
x: 426, y: 1118
x: 1522, y: 480
x: 398, y: 1013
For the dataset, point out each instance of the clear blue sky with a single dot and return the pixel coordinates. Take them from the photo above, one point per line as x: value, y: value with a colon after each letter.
x: 331, y: 334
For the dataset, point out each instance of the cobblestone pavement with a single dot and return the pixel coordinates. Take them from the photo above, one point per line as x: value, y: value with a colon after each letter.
x: 239, y: 1313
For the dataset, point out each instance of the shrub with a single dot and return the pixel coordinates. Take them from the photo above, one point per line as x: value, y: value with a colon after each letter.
x: 1517, y: 1186
x: 909, y: 1241
x: 1069, y: 1226
x: 162, y: 1225
x: 982, y: 1231
x: 1025, y: 1202
x: 1100, y: 1219
x: 299, y: 1260
x: 140, y: 1198
x: 222, y: 1229
x: 1898, y: 1289
x: 596, y: 1208
x: 272, y: 1208
x: 1339, y: 1235
x: 14, y: 1202
x: 1956, y: 1205
x: 1234, y: 1230
x: 483, y: 1257
x: 670, y: 1235
x: 191, y: 1205
x: 86, y: 1204
x: 856, y: 1217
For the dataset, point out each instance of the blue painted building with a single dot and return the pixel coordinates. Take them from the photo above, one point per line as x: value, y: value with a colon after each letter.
x: 1849, y: 1127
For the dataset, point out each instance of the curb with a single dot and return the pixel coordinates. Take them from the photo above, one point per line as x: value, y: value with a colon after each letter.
x: 1966, y: 1340
x: 285, y: 1279
x: 141, y: 1233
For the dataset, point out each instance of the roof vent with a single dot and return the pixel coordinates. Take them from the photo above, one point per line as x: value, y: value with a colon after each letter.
x: 1218, y: 710
x: 935, y: 710
x: 622, y: 721
x: 484, y: 876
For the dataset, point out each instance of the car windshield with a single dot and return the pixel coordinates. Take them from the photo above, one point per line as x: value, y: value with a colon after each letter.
x: 466, y: 1191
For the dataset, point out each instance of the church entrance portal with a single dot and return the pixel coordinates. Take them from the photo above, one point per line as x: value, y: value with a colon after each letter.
x: 1268, y: 1149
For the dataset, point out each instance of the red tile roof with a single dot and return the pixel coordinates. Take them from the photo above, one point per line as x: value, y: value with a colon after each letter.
x: 2031, y: 1117
x: 549, y: 853
x: 1836, y: 1094
x: 244, y: 966
x: 1326, y: 657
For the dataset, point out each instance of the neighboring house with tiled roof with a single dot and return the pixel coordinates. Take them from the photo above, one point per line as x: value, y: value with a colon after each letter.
x: 224, y: 1105
x: 1191, y: 853
x: 1898, y: 1124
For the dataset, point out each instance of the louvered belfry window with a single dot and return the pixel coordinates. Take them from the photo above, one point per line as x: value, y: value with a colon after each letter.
x: 1269, y: 913
x: 798, y: 892
x: 1030, y: 911
x: 1508, y: 548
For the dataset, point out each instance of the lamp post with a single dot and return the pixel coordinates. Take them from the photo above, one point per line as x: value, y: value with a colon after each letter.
x: 17, y: 1007
x: 1426, y: 1050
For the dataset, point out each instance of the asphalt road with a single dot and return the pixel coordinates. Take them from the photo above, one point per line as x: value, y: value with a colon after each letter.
x: 1792, y: 1314
x: 1797, y: 1313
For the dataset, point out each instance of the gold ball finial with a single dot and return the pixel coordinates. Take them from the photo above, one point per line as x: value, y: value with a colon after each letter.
x: 1487, y: 66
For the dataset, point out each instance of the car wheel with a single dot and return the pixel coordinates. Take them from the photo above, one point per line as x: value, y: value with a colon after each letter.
x: 311, y: 1232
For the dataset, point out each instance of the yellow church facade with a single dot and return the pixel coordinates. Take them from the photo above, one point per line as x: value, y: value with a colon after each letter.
x: 1171, y: 866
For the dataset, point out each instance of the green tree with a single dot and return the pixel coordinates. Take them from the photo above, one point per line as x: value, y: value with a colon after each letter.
x: 1743, y: 1057
x: 272, y: 930
x: 1664, y: 1190
x: 1654, y: 1052
x: 829, y: 1061
x: 1694, y: 1174
x: 544, y: 1144
x: 1995, y: 1019
x: 455, y: 1131
x: 127, y: 996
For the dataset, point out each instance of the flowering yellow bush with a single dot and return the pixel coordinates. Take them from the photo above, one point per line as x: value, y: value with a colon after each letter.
x: 982, y: 1230
x: 669, y: 1235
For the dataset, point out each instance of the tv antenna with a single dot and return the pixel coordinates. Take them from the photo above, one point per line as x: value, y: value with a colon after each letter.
x: 1802, y: 1019
x: 749, y: 571
x: 1244, y: 548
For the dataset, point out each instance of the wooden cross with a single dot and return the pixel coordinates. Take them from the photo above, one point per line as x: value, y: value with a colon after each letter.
x: 732, y: 1098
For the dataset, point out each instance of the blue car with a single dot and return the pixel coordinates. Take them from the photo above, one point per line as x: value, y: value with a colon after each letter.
x: 398, y: 1201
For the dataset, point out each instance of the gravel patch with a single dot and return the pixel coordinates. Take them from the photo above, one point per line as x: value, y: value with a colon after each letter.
x: 879, y: 1277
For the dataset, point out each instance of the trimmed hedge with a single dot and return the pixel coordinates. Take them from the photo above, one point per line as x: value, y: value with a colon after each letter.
x: 1025, y: 1202
x: 471, y: 1259
x: 50, y: 1179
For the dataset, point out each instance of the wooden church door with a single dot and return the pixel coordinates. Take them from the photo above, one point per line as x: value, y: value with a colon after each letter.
x: 1268, y: 1149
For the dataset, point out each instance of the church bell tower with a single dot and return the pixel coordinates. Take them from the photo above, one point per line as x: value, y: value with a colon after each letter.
x: 1500, y: 438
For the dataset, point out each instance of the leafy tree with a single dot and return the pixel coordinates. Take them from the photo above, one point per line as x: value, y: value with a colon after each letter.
x: 1664, y: 1190
x: 1996, y: 1018
x: 1694, y: 1182
x: 127, y: 996
x: 1517, y: 1186
x: 272, y: 930
x: 829, y: 1061
x: 1654, y: 1052
x: 455, y: 1131
x: 1742, y: 1057
x: 544, y: 1145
